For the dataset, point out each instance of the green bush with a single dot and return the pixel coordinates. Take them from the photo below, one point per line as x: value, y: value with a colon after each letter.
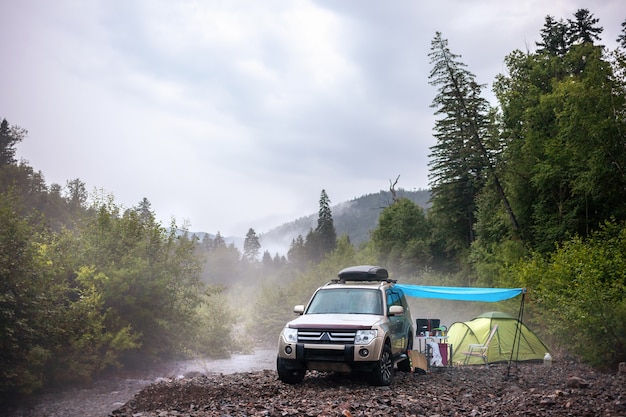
x: 581, y: 290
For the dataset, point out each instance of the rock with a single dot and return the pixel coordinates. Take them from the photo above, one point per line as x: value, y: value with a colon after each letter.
x: 577, y: 382
x: 513, y: 389
x: 192, y: 374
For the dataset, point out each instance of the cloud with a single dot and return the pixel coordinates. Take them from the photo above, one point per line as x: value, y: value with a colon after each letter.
x: 236, y: 114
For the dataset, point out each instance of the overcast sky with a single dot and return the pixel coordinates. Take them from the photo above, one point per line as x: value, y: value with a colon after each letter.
x: 232, y: 115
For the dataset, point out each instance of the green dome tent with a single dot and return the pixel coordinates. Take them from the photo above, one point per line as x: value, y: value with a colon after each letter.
x: 528, y: 347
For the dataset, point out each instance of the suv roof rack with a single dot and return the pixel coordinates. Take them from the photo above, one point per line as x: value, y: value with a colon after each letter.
x: 364, y: 273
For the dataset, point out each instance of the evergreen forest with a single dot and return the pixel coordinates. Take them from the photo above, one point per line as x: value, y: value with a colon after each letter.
x: 529, y: 192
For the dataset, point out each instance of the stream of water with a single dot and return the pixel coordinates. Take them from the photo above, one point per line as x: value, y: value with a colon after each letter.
x: 107, y: 394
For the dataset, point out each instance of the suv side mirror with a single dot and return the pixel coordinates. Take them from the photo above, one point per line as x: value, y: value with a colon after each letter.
x: 299, y: 309
x: 396, y: 310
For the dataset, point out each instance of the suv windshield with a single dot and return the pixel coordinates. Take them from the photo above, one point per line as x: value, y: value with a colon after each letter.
x: 347, y: 301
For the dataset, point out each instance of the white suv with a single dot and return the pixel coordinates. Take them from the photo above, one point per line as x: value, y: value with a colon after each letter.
x: 357, y: 323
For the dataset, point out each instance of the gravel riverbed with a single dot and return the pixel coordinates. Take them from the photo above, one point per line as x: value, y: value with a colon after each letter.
x: 565, y: 389
x: 247, y: 385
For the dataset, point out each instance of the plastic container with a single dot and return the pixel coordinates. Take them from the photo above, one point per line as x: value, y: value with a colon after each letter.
x: 547, y: 359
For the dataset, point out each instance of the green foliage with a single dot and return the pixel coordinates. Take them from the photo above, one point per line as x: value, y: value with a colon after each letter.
x: 88, y: 346
x: 297, y: 253
x: 22, y: 305
x: 147, y: 278
x: 403, y: 236
x: 563, y: 138
x: 491, y: 263
x: 52, y: 331
x: 271, y: 309
x: 581, y: 289
x: 221, y: 263
x: 214, y: 325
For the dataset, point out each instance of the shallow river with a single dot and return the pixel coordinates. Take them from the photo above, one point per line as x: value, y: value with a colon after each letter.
x: 105, y: 395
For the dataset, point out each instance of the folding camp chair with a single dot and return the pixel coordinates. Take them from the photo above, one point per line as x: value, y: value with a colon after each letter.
x: 480, y: 349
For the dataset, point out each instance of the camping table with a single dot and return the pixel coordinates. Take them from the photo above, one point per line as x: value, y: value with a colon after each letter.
x: 422, y: 346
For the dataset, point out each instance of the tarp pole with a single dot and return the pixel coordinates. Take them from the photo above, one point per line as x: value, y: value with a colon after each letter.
x: 517, y: 339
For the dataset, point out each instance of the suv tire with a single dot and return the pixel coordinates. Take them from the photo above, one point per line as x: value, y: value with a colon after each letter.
x: 289, y: 376
x: 383, y: 371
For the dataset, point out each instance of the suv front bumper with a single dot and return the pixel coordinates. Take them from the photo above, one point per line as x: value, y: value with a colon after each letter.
x: 330, y: 357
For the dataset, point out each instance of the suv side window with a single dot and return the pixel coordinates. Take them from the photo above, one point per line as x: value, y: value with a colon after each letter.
x: 393, y: 299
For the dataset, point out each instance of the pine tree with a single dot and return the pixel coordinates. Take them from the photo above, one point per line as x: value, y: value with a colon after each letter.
x: 9, y: 137
x: 219, y: 241
x: 267, y: 260
x: 251, y: 246
x: 583, y: 29
x: 557, y: 37
x: 554, y: 38
x: 621, y: 39
x: 327, y: 235
x: 145, y: 210
x: 76, y: 194
x: 296, y: 254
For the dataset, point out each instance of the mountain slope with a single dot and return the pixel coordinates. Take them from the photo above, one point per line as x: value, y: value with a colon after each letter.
x: 354, y: 218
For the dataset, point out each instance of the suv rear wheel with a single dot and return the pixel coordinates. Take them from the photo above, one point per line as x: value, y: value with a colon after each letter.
x: 383, y: 371
x: 405, y: 365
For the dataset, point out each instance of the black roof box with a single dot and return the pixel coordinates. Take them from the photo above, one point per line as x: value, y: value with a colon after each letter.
x: 363, y: 273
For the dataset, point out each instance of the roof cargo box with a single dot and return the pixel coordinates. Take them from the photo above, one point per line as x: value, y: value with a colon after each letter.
x: 364, y: 273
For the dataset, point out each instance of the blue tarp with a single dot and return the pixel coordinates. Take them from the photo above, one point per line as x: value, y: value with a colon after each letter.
x: 460, y: 293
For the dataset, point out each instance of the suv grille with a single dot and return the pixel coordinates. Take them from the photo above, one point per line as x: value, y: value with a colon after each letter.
x: 341, y: 337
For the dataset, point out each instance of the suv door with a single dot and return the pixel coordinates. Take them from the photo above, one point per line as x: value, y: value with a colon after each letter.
x: 398, y: 324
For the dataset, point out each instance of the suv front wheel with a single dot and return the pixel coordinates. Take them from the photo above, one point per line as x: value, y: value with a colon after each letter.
x: 383, y: 371
x: 287, y: 375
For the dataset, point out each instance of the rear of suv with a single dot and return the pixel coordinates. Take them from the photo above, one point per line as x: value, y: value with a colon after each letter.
x: 357, y: 323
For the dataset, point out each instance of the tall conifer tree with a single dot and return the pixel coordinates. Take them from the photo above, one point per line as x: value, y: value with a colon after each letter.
x: 251, y: 246
x: 461, y: 161
x: 9, y: 137
x: 325, y: 225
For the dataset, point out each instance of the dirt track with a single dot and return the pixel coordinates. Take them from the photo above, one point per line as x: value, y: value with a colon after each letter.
x: 565, y: 389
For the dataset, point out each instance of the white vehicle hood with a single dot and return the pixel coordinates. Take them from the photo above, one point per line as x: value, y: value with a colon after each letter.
x: 335, y: 321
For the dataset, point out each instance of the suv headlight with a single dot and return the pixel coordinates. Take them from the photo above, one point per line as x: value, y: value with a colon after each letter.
x: 363, y: 337
x: 290, y: 335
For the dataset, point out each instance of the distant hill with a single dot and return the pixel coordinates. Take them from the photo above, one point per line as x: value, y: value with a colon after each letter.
x: 355, y: 218
x: 235, y: 240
